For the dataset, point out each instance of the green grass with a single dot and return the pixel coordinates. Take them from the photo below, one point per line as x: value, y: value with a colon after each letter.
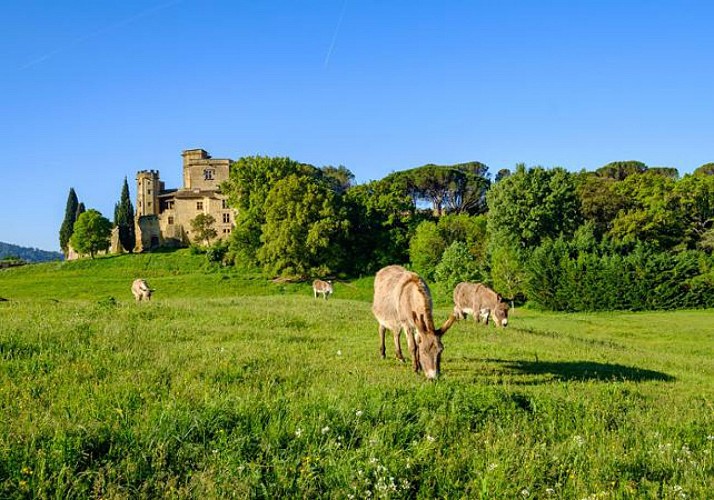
x: 227, y: 385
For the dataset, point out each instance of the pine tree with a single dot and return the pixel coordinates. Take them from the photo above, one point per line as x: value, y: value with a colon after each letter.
x: 70, y: 216
x: 124, y: 219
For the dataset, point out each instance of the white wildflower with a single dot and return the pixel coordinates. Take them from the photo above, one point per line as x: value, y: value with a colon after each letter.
x: 525, y: 493
x: 326, y: 429
x: 358, y: 413
x: 298, y: 432
x: 339, y: 352
x: 430, y: 438
x: 550, y: 491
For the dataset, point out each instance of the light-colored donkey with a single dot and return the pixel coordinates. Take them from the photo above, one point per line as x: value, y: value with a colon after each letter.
x: 402, y: 300
x: 481, y: 302
x: 323, y: 287
x: 140, y: 289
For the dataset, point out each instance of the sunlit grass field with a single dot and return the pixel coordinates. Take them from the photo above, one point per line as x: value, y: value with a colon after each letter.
x: 230, y: 386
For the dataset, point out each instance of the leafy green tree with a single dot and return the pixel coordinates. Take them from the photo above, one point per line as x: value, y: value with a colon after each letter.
x: 382, y: 220
x: 426, y: 248
x: 459, y: 188
x: 304, y: 228
x: 432, y: 238
x: 70, y: 216
x: 653, y: 213
x: 202, y: 228
x: 531, y: 205
x: 620, y: 170
x: 706, y: 169
x: 457, y: 264
x: 92, y: 233
x: 124, y: 219
x: 250, y: 180
x: 507, y: 271
x: 695, y: 194
x: 599, y: 201
x: 340, y: 178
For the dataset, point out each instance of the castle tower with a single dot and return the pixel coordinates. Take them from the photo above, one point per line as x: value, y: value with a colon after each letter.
x: 147, y: 192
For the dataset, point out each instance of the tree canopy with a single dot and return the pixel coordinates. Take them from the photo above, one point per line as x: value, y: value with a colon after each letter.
x: 70, y: 216
x: 124, y: 219
x: 92, y: 232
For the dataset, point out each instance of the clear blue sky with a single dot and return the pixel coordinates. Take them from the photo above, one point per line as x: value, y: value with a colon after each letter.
x: 91, y: 92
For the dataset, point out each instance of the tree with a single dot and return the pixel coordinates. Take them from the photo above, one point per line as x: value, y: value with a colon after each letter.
x: 531, y: 205
x: 340, y: 177
x: 599, y: 201
x: 70, y: 216
x: 706, y: 169
x: 124, y: 219
x: 202, y: 228
x: 382, y: 220
x: 92, y: 233
x: 620, y: 170
x: 304, y: 230
x: 457, y: 264
x: 250, y: 180
x: 653, y: 213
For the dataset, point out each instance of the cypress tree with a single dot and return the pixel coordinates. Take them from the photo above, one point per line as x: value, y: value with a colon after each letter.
x: 124, y: 219
x: 70, y: 216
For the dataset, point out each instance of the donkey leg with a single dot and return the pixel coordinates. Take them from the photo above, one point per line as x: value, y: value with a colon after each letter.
x: 413, y: 350
x: 381, y: 340
x: 398, y: 344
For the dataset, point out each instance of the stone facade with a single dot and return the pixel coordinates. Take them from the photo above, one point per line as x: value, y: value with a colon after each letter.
x: 163, y: 215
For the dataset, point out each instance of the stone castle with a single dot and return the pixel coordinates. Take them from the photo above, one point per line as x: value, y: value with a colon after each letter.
x: 163, y: 215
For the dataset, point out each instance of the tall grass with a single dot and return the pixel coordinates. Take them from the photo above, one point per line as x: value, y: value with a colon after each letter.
x: 230, y: 386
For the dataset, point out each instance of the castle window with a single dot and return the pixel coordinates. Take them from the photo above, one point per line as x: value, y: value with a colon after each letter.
x: 208, y: 174
x: 226, y: 231
x: 224, y: 203
x: 171, y: 220
x: 199, y: 205
x: 226, y: 218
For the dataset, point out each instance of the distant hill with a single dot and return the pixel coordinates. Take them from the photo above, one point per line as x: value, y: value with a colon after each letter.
x: 28, y: 254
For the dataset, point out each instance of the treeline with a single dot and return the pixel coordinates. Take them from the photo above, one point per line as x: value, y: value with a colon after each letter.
x: 626, y: 236
x: 14, y: 252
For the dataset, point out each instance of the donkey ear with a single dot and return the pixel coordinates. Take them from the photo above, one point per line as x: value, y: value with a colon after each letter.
x: 447, y: 324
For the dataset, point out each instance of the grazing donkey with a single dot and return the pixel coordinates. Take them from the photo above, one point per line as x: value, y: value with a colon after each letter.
x: 402, y: 301
x: 481, y: 302
x: 141, y: 290
x: 323, y: 287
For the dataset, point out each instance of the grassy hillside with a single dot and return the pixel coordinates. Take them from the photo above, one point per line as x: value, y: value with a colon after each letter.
x: 230, y: 386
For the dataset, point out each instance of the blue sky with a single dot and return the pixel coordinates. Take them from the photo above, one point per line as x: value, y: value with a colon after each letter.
x: 93, y: 91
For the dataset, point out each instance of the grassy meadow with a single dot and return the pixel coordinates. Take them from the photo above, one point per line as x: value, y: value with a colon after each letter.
x: 230, y: 386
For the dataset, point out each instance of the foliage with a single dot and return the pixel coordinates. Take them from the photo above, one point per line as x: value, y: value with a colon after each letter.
x: 508, y: 276
x: 459, y: 188
x: 216, y: 253
x: 304, y: 228
x: 382, y: 221
x: 600, y: 202
x: 457, y: 264
x: 706, y: 169
x: 532, y: 205
x: 562, y: 277
x: 202, y: 228
x: 620, y: 170
x: 28, y: 254
x: 124, y: 219
x: 91, y: 233
x: 653, y: 212
x: 340, y: 178
x: 250, y: 181
x: 432, y: 238
x: 70, y: 216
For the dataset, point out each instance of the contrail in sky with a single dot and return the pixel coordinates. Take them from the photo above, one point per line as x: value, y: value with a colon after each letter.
x: 98, y: 32
x: 334, y: 35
